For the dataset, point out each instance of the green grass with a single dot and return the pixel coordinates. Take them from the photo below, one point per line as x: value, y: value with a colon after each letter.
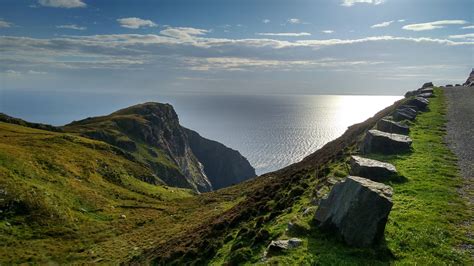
x: 425, y: 226
x: 62, y: 198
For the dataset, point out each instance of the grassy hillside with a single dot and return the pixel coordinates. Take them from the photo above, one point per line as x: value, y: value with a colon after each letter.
x: 65, y: 198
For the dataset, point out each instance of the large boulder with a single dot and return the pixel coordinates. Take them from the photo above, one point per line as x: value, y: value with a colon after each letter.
x: 426, y: 95
x: 404, y: 113
x: 426, y: 90
x: 357, y: 209
x: 428, y: 85
x: 372, y: 169
x: 389, y: 126
x: 409, y: 94
x: 377, y: 141
x: 419, y: 103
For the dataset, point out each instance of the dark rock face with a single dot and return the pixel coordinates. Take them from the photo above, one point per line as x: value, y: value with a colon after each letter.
x: 222, y: 165
x: 390, y: 126
x: 372, y: 169
x: 357, y: 209
x: 403, y: 113
x: 386, y: 143
x: 428, y: 85
x: 419, y: 103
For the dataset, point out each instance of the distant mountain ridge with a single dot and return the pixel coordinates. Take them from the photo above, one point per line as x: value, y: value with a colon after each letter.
x: 178, y: 156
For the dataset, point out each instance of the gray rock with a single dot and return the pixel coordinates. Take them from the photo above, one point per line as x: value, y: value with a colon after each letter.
x: 427, y: 90
x: 409, y: 94
x: 419, y: 102
x: 390, y: 126
x: 428, y: 85
x: 426, y: 95
x: 279, y: 245
x: 387, y: 143
x: 357, y: 209
x: 404, y: 113
x: 372, y: 169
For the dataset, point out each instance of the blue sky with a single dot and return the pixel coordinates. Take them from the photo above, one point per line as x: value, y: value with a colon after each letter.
x: 226, y: 46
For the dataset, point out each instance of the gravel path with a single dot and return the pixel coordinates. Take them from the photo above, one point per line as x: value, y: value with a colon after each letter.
x: 460, y: 138
x: 460, y: 127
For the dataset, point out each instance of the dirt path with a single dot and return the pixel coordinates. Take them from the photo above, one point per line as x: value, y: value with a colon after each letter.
x: 460, y: 139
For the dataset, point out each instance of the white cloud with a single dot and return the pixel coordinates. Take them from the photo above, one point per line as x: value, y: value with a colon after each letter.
x: 71, y: 27
x: 135, y: 23
x: 327, y: 31
x: 468, y: 27
x: 5, y: 24
x: 353, y: 2
x: 183, y: 33
x: 294, y: 21
x: 285, y: 34
x: 433, y: 25
x: 62, y: 3
x: 401, y: 20
x: 33, y: 72
x: 383, y: 24
x: 266, y: 21
x: 469, y: 36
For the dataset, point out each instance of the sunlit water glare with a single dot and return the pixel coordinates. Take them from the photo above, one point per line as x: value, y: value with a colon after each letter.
x: 275, y: 131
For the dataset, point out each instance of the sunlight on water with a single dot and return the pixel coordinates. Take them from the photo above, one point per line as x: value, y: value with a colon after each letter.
x: 275, y: 131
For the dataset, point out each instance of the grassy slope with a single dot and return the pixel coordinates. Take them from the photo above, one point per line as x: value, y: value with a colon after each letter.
x: 62, y: 198
x: 424, y: 225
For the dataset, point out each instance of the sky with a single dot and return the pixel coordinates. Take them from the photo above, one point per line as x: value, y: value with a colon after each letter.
x: 234, y: 47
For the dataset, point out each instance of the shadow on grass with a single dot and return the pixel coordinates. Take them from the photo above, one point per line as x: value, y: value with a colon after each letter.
x: 331, y: 250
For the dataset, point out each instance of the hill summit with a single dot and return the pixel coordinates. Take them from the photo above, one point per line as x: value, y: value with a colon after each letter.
x: 151, y: 134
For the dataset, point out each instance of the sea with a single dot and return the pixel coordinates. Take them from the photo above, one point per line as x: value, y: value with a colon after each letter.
x: 271, y: 131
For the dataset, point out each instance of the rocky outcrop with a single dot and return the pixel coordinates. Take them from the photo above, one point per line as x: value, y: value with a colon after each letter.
x: 389, y: 126
x: 470, y: 80
x: 371, y: 169
x: 222, y: 165
x: 279, y: 245
x: 377, y: 141
x: 152, y: 134
x: 357, y: 209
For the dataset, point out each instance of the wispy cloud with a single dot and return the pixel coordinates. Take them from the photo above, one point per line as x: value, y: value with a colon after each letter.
x: 382, y: 25
x: 468, y: 27
x: 469, y: 36
x: 353, y: 2
x: 135, y: 23
x: 71, y: 27
x: 327, y: 31
x: 433, y: 25
x: 62, y: 3
x: 266, y: 21
x: 285, y: 34
x: 294, y: 21
x: 401, y: 20
x: 5, y: 24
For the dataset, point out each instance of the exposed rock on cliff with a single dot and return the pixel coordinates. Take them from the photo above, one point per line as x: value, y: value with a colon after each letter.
x: 222, y: 165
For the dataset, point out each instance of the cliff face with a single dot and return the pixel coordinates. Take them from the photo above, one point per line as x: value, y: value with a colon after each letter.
x: 223, y: 166
x: 152, y: 134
